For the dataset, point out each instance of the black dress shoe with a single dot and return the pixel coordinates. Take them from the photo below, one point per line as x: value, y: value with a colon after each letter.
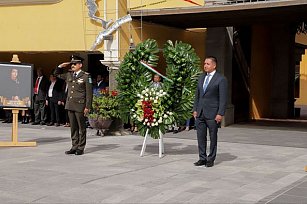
x: 43, y: 123
x: 35, y: 123
x: 50, y: 124
x: 79, y: 152
x: 200, y: 163
x: 57, y: 124
x: 210, y: 164
x: 71, y: 151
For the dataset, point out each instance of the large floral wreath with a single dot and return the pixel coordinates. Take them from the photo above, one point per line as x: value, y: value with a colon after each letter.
x: 155, y: 109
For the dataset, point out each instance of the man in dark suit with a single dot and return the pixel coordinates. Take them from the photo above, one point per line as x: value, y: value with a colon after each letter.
x: 209, y: 109
x: 40, y: 95
x: 100, y: 85
x: 54, y: 97
x: 78, y: 103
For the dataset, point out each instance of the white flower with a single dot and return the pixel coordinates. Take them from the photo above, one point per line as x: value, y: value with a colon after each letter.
x: 159, y: 121
x: 165, y: 116
x: 142, y: 97
x: 146, y: 99
x: 155, y: 101
x: 144, y: 123
x: 132, y: 109
x: 138, y: 95
x: 170, y: 113
x: 146, y: 89
x: 148, y: 124
x: 146, y: 120
x: 154, y: 120
x: 143, y: 92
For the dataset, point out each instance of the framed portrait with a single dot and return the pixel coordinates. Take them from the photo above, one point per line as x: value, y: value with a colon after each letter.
x: 16, y: 85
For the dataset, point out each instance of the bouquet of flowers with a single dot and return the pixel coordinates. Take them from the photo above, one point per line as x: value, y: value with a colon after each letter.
x: 150, y: 112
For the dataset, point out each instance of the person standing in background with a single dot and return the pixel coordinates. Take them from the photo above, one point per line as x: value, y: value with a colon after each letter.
x: 40, y: 95
x: 156, y: 82
x: 53, y: 101
x: 100, y: 84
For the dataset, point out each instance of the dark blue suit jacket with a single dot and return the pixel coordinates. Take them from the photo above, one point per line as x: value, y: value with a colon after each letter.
x: 213, y: 101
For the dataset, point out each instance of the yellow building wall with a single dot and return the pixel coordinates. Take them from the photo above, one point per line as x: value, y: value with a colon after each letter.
x: 302, y: 100
x: 53, y: 27
x: 260, y: 76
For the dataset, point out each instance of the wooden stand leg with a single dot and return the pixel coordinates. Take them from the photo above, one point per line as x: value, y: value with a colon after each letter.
x: 14, y: 141
x: 144, y: 144
x: 305, y: 168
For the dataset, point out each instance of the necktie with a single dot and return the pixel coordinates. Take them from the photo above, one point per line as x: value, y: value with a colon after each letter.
x: 36, y: 86
x: 206, y: 82
x: 75, y: 75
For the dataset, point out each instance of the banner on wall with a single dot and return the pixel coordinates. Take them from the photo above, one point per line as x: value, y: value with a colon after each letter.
x: 160, y: 4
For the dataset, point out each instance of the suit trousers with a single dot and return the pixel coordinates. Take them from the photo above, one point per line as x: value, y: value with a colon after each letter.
x: 54, y: 111
x: 40, y: 110
x: 202, y: 124
x: 78, y: 129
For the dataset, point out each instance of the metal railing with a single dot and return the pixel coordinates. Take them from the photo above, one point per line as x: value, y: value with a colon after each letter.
x: 230, y: 2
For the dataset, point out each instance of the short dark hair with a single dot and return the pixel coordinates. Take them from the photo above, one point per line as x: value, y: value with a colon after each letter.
x: 212, y: 58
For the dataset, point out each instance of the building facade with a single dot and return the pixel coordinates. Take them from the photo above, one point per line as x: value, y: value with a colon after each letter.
x: 46, y: 32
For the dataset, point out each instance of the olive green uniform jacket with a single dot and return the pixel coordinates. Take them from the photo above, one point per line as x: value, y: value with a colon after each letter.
x: 80, y: 93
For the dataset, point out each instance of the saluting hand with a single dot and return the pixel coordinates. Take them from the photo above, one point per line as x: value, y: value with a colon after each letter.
x: 64, y: 64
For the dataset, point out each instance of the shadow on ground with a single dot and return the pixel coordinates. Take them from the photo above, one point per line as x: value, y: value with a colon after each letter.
x: 223, y: 157
x: 293, y: 125
x: 49, y: 140
x: 170, y: 148
x: 102, y: 147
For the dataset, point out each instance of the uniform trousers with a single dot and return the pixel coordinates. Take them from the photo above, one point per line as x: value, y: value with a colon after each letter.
x: 78, y: 129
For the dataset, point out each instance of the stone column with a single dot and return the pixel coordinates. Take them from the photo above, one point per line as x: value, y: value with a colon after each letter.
x: 283, y: 59
x: 219, y: 44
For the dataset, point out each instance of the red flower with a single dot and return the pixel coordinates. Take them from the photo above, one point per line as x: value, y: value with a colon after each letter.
x: 148, y: 112
x: 114, y: 93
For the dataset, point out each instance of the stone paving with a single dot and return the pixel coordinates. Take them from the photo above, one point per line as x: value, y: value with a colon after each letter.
x: 255, y: 164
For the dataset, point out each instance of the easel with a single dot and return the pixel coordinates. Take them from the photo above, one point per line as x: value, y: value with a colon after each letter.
x: 14, y: 142
x: 305, y: 168
x: 161, y: 145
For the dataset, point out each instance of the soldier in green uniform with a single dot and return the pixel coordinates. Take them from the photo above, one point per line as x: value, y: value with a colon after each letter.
x: 78, y: 103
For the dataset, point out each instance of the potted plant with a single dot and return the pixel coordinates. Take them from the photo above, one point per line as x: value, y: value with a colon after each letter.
x: 105, y: 109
